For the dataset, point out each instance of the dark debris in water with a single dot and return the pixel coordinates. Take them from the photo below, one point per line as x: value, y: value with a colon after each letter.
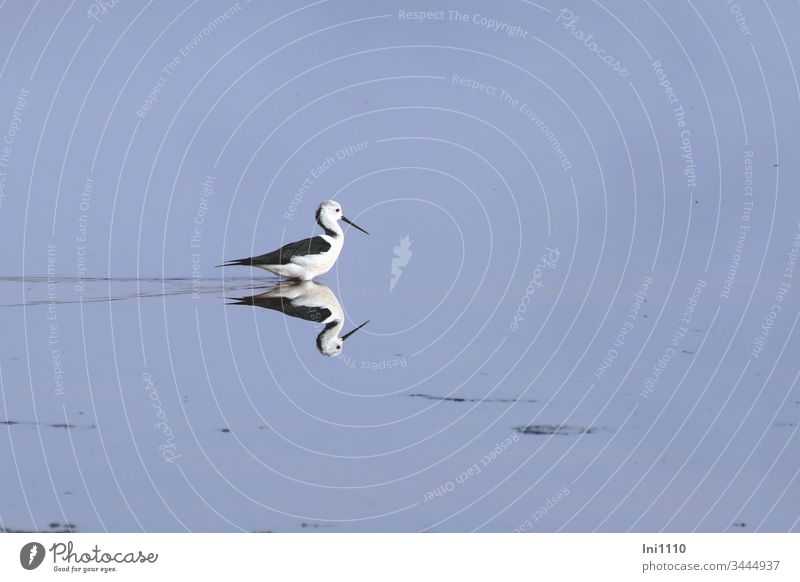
x: 41, y: 424
x: 460, y: 399
x: 306, y: 525
x: 554, y: 429
x: 53, y: 527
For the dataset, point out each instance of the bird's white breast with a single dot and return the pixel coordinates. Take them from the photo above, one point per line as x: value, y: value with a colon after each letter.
x: 322, y: 262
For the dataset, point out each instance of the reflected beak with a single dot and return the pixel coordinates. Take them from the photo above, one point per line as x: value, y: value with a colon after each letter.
x: 348, y: 334
x: 353, y: 224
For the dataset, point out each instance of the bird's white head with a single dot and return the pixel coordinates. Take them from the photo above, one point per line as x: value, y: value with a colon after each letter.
x: 328, y: 341
x: 329, y: 214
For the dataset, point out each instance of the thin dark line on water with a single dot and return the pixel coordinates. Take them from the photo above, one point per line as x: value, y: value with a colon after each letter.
x: 237, y: 285
x: 467, y: 399
x: 65, y: 425
x: 67, y: 279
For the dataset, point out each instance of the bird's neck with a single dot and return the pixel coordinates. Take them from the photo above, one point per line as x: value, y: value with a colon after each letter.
x: 329, y: 335
x: 332, y: 230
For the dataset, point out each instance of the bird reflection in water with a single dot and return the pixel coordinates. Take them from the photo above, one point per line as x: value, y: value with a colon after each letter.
x: 311, y: 301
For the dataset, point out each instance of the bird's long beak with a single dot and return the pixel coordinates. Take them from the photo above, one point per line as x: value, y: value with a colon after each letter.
x: 353, y: 224
x: 349, y: 333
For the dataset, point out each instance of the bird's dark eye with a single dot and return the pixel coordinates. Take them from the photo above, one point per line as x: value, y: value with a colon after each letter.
x: 338, y: 210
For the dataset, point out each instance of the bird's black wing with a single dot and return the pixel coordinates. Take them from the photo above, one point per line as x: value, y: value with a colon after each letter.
x: 284, y: 305
x: 308, y: 246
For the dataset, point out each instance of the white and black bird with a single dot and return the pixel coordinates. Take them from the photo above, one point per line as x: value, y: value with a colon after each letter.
x: 311, y: 301
x: 310, y: 257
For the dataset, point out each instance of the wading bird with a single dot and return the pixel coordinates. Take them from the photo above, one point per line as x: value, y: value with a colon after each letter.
x: 310, y: 257
x: 311, y: 301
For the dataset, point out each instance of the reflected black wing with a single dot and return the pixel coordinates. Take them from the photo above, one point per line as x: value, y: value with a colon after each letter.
x: 309, y: 313
x: 308, y: 246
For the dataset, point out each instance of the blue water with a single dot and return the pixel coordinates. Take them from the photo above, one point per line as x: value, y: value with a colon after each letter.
x: 580, y: 278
